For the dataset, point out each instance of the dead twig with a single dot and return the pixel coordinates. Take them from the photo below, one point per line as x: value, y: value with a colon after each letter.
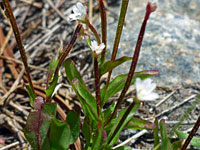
x: 12, y: 89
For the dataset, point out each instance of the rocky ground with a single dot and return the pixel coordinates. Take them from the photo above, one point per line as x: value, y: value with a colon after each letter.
x: 171, y: 45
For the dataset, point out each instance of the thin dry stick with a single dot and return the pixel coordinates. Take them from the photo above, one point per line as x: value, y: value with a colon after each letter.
x: 57, y: 11
x: 131, y: 139
x: 12, y: 89
x: 10, y: 145
x: 164, y: 99
x: 176, y: 106
x: 6, y: 41
x: 21, y: 63
x: 36, y: 4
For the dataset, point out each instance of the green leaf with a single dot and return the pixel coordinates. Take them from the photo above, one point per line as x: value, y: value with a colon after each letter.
x: 110, y: 65
x: 117, y: 84
x: 73, y: 121
x: 108, y: 112
x: 31, y: 94
x: 59, y: 135
x: 165, y: 144
x: 52, y: 67
x: 87, y: 131
x: 116, y: 122
x: 177, y: 145
x: 72, y: 72
x: 51, y: 88
x: 155, y: 133
x: 72, y: 75
x: 85, y: 94
x: 98, y: 139
x: 194, y: 142
x: 38, y: 124
x: 124, y: 148
x: 137, y: 123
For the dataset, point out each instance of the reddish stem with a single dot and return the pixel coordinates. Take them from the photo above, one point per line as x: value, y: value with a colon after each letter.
x: 97, y: 83
x: 192, y: 133
x: 149, y: 10
x: 66, y: 52
x: 103, y: 26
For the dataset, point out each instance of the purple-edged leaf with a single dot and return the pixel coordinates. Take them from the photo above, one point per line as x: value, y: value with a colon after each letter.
x: 72, y: 72
x: 137, y: 123
x: 117, y: 84
x: 165, y: 142
x: 194, y: 142
x: 59, y: 135
x: 38, y: 124
x: 74, y: 76
x: 85, y: 94
x: 73, y: 121
x: 110, y: 65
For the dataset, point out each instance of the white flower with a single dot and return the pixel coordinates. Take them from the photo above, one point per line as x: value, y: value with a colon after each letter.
x: 79, y: 12
x: 144, y: 89
x: 153, y: 5
x: 95, y: 47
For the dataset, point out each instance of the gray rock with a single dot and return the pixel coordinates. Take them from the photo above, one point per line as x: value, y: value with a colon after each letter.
x: 171, y: 43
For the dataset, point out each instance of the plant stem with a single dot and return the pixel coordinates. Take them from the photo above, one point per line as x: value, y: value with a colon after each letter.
x: 121, y: 121
x: 66, y: 52
x: 120, y: 25
x: 103, y: 26
x: 97, y: 83
x: 93, y: 30
x: 134, y: 61
x: 192, y: 133
x: 19, y: 41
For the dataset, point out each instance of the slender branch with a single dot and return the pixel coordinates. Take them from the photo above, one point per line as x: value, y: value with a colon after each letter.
x: 94, y: 31
x: 103, y: 26
x: 66, y: 52
x: 149, y: 10
x: 18, y: 40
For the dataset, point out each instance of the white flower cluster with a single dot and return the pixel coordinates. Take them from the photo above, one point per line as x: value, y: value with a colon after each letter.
x: 144, y: 90
x: 97, y: 48
x: 79, y: 12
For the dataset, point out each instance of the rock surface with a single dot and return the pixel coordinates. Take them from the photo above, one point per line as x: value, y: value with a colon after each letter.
x: 171, y: 43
